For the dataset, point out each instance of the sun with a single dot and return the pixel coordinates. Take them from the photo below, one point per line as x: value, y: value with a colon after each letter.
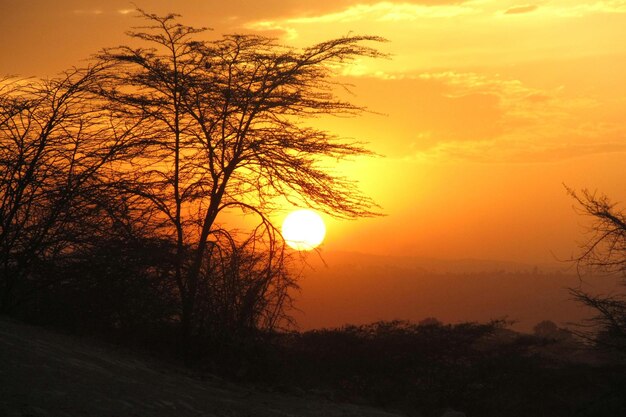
x: 303, y: 230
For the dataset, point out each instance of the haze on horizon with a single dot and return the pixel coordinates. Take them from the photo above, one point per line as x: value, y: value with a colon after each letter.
x: 483, y: 111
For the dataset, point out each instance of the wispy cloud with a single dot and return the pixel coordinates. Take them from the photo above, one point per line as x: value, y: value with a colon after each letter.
x: 409, y: 11
x: 270, y: 26
x: 102, y: 12
x: 521, y: 9
x: 376, y: 12
x: 500, y: 151
x: 93, y: 12
x: 387, y: 11
x: 567, y: 9
x: 517, y: 100
x: 535, y: 125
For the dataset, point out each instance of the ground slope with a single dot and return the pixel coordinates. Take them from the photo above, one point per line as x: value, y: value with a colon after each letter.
x: 48, y: 374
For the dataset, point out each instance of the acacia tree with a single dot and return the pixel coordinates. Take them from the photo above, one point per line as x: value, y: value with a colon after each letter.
x: 604, y: 252
x: 222, y: 129
x: 56, y: 148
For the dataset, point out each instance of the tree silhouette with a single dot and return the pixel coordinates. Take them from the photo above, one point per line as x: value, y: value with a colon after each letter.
x: 221, y: 128
x: 56, y: 148
x: 604, y: 252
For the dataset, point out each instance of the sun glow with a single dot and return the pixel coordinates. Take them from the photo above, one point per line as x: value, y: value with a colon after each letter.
x: 303, y: 230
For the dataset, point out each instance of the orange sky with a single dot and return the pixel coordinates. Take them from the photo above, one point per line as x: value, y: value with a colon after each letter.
x: 488, y: 107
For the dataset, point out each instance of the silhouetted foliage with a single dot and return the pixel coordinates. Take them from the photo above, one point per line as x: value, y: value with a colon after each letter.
x: 220, y: 127
x: 244, y: 287
x: 57, y: 144
x: 604, y: 252
x: 118, y: 285
x: 151, y: 144
x: 605, y: 249
x: 423, y: 369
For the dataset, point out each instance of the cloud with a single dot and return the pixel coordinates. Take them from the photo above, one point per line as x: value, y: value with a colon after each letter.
x: 374, y: 12
x: 100, y: 12
x: 566, y: 9
x: 544, y: 115
x: 103, y: 12
x: 93, y: 12
x: 521, y: 9
x: 428, y: 109
x: 273, y: 28
x: 283, y: 9
x: 522, y: 104
x: 296, y: 11
x: 386, y: 11
x: 500, y: 151
x: 510, y: 121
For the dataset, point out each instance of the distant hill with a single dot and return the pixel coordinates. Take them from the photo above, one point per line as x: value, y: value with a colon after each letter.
x: 347, y: 287
x: 433, y: 264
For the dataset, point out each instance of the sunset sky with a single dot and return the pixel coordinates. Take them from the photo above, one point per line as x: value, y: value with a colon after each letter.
x: 483, y: 111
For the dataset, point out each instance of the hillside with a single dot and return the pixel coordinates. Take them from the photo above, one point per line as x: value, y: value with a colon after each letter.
x: 48, y: 374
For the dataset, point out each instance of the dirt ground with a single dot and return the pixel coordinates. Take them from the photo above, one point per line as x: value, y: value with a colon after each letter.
x: 45, y: 374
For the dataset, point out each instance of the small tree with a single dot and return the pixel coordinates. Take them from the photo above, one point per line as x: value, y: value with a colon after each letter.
x: 244, y: 287
x: 604, y: 252
x: 221, y: 129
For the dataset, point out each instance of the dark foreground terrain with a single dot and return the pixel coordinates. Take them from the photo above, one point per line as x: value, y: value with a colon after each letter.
x: 49, y: 374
